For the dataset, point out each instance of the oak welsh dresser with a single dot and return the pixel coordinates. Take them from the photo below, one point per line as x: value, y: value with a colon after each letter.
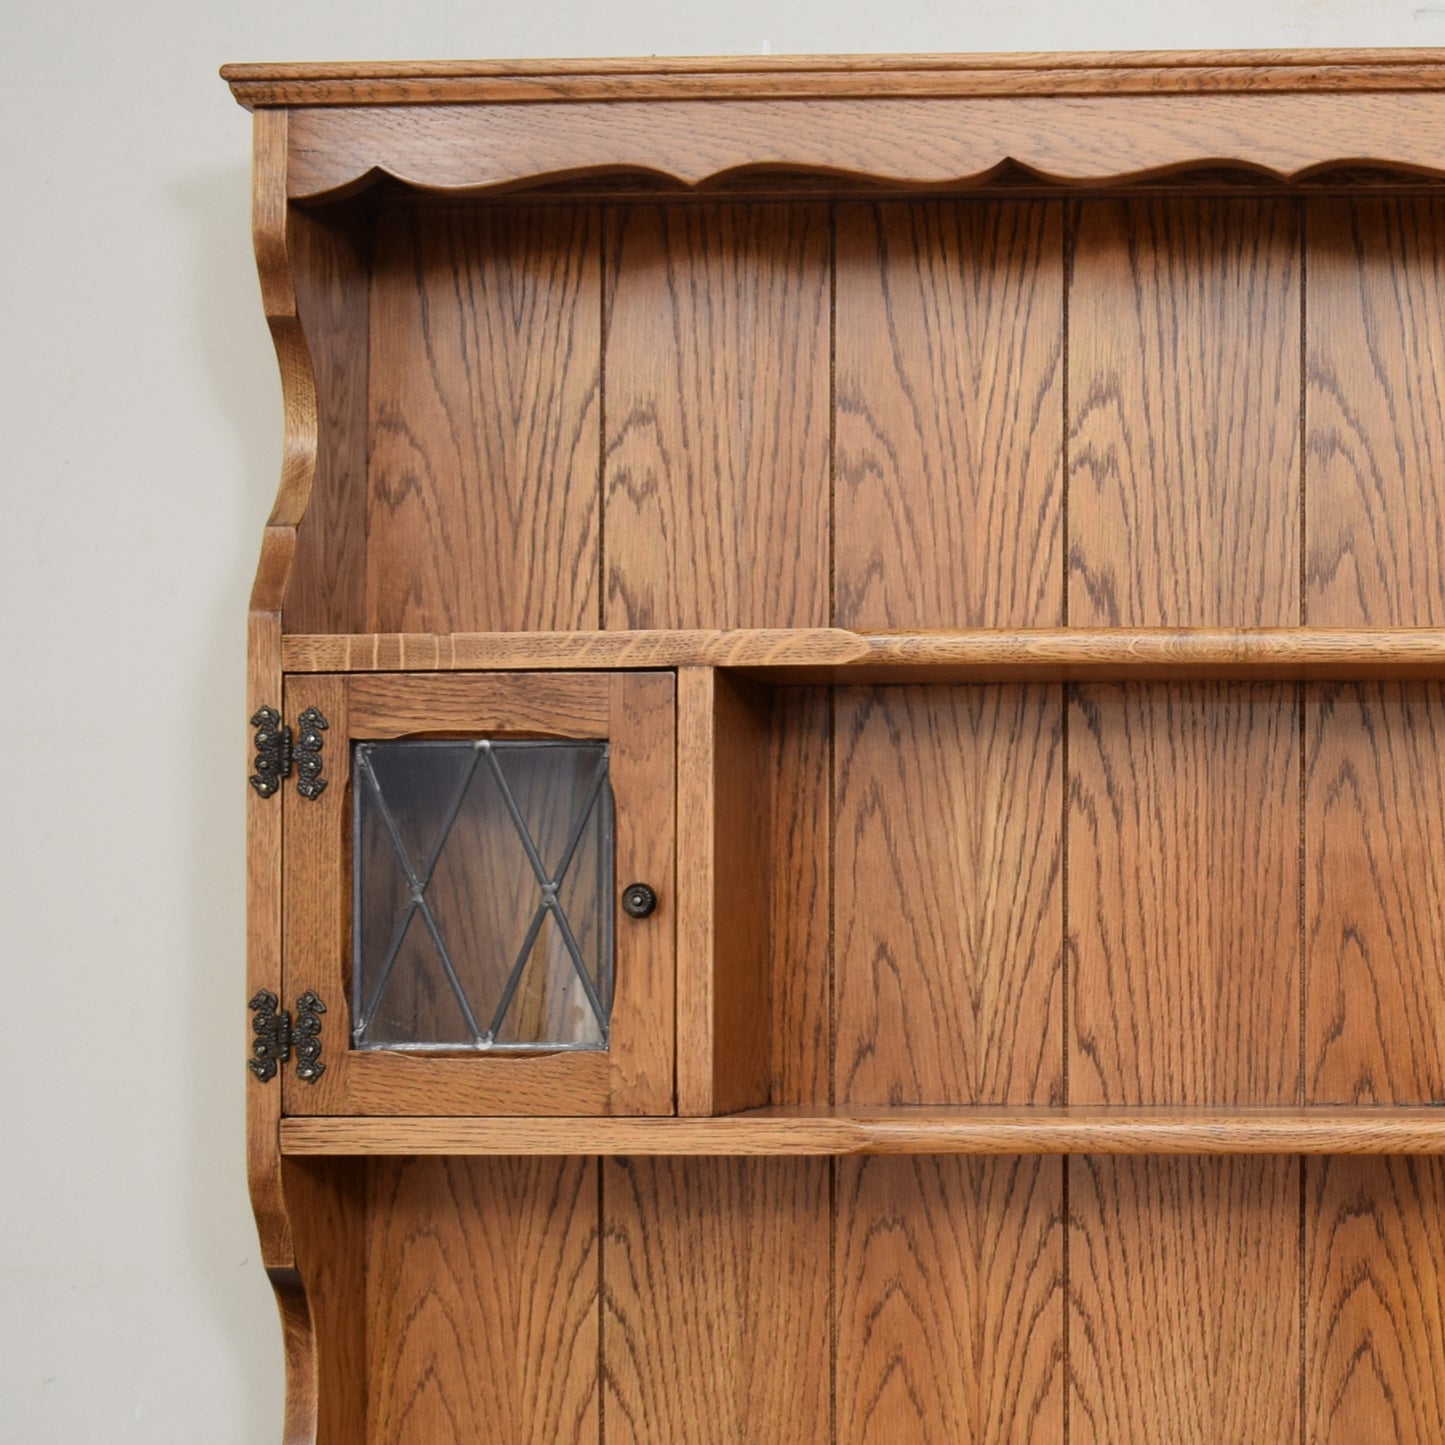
x: 847, y: 811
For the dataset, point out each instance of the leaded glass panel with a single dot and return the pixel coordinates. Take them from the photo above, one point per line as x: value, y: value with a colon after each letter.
x: 483, y: 895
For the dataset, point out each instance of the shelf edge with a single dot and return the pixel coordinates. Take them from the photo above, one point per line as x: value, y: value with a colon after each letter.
x: 835, y: 654
x: 1417, y: 1129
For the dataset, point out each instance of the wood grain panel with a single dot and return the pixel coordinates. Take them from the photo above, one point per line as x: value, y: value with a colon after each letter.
x: 1184, y: 1300
x: 326, y: 1361
x: 1375, y: 1244
x: 800, y: 797
x: 1184, y: 895
x: 717, y: 416
x: 949, y: 447
x: 1184, y: 812
x: 566, y: 705
x: 1375, y: 410
x: 965, y: 140
x: 1375, y: 895
x: 485, y: 384
x: 948, y: 916
x: 716, y: 1301
x: 949, y: 1281
x: 330, y: 260
x: 1375, y: 1322
x: 643, y: 731
x: 1184, y: 403
x: 264, y: 901
x: 316, y: 899
x: 725, y: 892
x: 742, y: 960
x: 482, y: 1300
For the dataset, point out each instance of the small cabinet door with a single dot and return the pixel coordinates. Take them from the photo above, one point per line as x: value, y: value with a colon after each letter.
x: 454, y: 896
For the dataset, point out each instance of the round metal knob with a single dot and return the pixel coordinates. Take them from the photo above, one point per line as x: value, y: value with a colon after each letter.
x: 638, y: 900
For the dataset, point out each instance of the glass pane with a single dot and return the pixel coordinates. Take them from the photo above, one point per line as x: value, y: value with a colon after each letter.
x: 483, y: 895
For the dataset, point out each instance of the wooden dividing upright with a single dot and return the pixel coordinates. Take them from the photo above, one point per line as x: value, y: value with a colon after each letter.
x: 998, y: 501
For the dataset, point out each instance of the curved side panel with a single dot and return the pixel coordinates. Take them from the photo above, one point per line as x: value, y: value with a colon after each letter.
x: 299, y: 1336
x: 278, y: 297
x: 322, y: 1303
x: 263, y: 882
x: 949, y: 143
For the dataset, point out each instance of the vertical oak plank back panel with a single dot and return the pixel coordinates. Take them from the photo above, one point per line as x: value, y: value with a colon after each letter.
x: 950, y: 1300
x: 1184, y: 1300
x: 717, y: 382
x: 1375, y: 1306
x: 1183, y: 831
x: 715, y: 1309
x: 1375, y: 413
x: 948, y: 805
x: 1375, y: 819
x: 1184, y: 894
x: 1375, y: 894
x: 484, y: 415
x: 949, y: 920
x: 1184, y: 324
x: 482, y: 1280
x: 949, y: 453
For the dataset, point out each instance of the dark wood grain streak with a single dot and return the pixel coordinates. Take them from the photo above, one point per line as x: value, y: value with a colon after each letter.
x: 482, y: 1301
x: 717, y: 417
x: 485, y: 380
x: 950, y: 1301
x: 1184, y: 323
x: 1375, y: 881
x: 1183, y: 895
x: 716, y: 1306
x: 1376, y: 412
x: 949, y: 381
x: 1184, y: 1300
x: 1375, y: 1319
x: 949, y: 924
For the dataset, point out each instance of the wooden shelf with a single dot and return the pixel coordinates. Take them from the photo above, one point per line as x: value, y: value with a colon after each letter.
x: 1415, y: 1129
x: 831, y: 654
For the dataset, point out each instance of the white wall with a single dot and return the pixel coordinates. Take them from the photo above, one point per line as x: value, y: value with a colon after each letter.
x: 139, y: 442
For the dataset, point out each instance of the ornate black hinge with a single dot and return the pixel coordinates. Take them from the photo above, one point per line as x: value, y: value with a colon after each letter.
x: 275, y: 1035
x: 277, y: 753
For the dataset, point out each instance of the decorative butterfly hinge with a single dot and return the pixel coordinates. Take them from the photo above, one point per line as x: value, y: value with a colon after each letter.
x: 277, y: 754
x: 276, y: 1034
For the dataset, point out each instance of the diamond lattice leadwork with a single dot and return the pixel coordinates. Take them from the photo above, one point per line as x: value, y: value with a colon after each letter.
x: 483, y: 895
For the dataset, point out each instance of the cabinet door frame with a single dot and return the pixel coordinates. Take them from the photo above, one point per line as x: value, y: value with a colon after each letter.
x: 636, y: 713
